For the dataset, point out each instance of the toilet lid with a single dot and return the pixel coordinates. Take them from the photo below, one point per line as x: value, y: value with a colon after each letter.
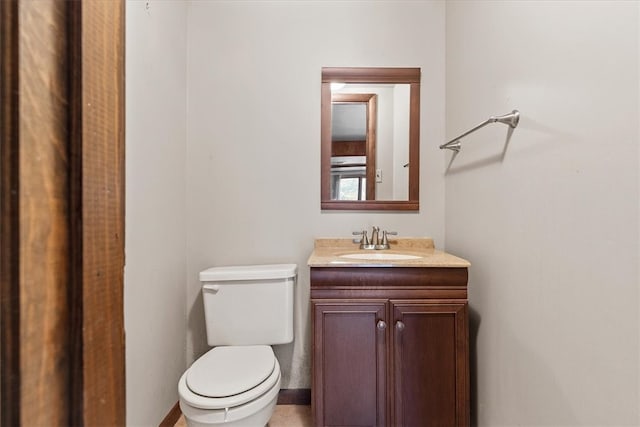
x: 225, y: 371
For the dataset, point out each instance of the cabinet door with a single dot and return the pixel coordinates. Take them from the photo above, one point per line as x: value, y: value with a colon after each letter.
x: 430, y: 360
x: 349, y: 363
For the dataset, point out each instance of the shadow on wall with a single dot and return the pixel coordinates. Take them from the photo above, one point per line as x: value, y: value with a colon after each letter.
x: 482, y: 162
x: 539, y: 136
x: 196, y: 330
x: 519, y: 398
x: 474, y: 327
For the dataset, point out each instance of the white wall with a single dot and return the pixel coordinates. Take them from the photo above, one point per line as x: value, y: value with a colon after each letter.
x: 401, y: 94
x: 638, y: 254
x: 155, y: 290
x: 253, y: 155
x: 549, y: 220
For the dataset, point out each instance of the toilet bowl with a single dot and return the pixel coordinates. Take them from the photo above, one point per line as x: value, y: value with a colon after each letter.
x: 234, y: 386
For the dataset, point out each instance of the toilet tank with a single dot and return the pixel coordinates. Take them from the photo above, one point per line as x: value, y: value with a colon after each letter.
x: 247, y: 305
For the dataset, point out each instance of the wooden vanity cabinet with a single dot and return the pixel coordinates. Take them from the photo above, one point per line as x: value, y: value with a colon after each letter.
x: 390, y: 346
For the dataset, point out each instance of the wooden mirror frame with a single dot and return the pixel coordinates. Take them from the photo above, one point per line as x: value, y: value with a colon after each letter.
x: 410, y: 76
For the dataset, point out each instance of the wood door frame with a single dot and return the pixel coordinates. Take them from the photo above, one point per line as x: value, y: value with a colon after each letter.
x: 371, y: 102
x: 62, y: 228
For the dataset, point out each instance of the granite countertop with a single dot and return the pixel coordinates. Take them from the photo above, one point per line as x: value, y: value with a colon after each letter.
x: 327, y: 253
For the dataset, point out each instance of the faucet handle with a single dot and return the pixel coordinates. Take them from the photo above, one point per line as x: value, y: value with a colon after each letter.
x: 385, y: 241
x: 364, y: 240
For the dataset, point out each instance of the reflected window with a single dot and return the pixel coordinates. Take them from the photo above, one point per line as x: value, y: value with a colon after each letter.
x: 348, y: 178
x: 351, y: 188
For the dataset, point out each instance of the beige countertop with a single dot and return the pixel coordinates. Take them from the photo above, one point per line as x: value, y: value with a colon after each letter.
x: 327, y: 253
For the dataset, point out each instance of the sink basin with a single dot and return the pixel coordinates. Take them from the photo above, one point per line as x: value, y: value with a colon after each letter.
x: 380, y: 256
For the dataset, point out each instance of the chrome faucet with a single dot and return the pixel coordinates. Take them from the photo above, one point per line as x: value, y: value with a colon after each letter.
x: 375, y: 237
x: 376, y: 242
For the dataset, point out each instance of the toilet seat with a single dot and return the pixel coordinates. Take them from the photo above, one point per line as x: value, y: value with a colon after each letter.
x: 230, y: 370
x: 255, y: 369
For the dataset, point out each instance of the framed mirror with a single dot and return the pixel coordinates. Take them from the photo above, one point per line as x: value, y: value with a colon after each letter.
x: 370, y: 138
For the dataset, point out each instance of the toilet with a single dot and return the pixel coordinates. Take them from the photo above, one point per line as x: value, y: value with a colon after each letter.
x: 247, y: 309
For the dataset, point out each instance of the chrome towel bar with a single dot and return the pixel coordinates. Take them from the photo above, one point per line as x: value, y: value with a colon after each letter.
x: 510, y: 119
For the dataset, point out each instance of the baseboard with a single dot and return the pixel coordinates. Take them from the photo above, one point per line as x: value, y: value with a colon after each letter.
x: 172, y: 417
x: 294, y: 396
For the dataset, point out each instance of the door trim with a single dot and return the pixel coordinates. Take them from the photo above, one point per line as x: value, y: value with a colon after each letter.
x: 62, y: 212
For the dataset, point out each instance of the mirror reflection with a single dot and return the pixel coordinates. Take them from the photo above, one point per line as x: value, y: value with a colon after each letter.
x: 370, y: 142
x: 370, y: 138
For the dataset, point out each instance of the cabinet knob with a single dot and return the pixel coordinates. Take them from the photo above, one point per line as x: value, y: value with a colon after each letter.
x: 399, y: 325
x: 382, y: 325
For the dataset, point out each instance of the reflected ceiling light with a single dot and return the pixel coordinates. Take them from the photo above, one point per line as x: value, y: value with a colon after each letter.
x: 337, y: 86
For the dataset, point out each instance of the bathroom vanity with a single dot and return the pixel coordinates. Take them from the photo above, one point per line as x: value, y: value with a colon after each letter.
x: 390, y: 335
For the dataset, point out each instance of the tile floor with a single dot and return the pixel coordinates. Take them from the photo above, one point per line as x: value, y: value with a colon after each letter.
x: 283, y: 416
